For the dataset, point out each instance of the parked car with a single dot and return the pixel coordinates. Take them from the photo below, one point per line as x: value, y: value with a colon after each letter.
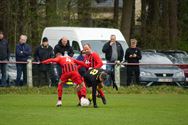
x: 157, y: 70
x: 11, y: 71
x: 178, y: 57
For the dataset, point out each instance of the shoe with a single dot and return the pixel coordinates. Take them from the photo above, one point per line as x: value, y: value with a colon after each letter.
x: 115, y: 86
x: 103, y: 100
x: 78, y: 104
x: 95, y: 106
x: 59, y: 103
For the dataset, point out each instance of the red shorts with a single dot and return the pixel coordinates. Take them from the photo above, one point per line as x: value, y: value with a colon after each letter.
x: 74, y: 76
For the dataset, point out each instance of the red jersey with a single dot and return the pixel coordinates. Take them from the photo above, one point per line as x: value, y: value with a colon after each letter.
x: 67, y: 63
x: 93, y: 60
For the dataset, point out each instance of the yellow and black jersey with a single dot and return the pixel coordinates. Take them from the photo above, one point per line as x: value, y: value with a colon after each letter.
x: 92, y: 77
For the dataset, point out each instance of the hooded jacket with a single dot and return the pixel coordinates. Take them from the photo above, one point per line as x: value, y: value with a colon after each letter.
x: 59, y: 48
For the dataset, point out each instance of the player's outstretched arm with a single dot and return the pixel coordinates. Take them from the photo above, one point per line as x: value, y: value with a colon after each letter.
x: 50, y: 60
x: 81, y: 63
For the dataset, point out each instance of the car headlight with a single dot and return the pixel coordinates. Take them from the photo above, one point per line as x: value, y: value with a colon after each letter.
x: 145, y: 74
x: 179, y: 74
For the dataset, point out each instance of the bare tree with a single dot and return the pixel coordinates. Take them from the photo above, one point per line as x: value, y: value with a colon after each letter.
x: 165, y: 23
x: 34, y: 20
x: 116, y: 12
x: 51, y: 14
x: 84, y: 12
x: 173, y: 21
x: 126, y: 18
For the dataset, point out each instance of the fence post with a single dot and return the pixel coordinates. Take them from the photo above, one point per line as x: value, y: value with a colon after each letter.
x: 29, y: 73
x: 117, y: 74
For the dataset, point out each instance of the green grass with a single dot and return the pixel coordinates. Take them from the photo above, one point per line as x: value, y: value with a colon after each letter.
x: 122, y: 109
x: 122, y: 90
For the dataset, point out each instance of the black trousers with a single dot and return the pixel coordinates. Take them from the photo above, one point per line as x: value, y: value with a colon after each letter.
x: 133, y: 71
x: 44, y: 78
x: 3, y: 68
x: 21, y: 69
x: 44, y: 75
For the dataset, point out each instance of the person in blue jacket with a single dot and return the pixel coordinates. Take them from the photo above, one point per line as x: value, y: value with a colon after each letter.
x: 23, y: 52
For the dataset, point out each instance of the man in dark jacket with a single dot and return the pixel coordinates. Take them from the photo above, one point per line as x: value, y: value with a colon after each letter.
x: 4, y: 56
x: 23, y: 52
x: 43, y: 52
x: 113, y: 53
x: 133, y: 55
x: 62, y: 46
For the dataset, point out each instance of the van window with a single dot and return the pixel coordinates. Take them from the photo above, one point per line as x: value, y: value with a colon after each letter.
x: 97, y: 46
x: 75, y: 46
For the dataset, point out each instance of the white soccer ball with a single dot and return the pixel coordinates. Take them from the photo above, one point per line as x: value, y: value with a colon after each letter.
x: 84, y: 102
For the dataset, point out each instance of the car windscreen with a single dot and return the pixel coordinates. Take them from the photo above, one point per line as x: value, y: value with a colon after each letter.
x: 97, y: 45
x: 154, y: 58
x: 177, y: 58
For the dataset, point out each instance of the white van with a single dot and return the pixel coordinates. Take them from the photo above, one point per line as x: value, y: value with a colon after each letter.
x: 78, y: 36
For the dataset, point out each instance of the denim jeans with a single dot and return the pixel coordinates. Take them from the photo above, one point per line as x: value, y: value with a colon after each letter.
x: 21, y: 68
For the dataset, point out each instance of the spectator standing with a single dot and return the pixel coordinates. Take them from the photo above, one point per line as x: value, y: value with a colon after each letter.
x: 133, y: 55
x: 62, y: 46
x: 113, y: 53
x: 23, y: 52
x: 4, y: 56
x: 43, y: 52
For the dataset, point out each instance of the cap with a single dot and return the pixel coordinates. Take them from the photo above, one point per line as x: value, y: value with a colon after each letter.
x: 45, y: 39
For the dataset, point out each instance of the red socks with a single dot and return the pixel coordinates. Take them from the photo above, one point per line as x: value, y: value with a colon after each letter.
x: 60, y: 91
x: 101, y: 92
x: 82, y: 92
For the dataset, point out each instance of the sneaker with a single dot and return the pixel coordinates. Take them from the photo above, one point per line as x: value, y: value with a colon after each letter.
x: 59, y: 103
x: 103, y: 100
x: 95, y: 106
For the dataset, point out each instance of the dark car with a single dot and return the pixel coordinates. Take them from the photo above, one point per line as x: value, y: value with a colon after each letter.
x: 158, y: 68
x: 178, y: 57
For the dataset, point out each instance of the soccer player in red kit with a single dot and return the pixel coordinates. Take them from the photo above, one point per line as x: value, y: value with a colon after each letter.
x: 69, y: 71
x: 93, y: 60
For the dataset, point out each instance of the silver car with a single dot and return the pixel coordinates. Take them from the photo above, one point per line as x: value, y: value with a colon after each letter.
x: 159, y: 69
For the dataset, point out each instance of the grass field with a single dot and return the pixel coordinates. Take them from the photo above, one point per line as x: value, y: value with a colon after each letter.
x: 121, y: 109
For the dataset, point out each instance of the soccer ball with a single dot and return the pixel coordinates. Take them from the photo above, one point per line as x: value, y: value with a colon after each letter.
x: 84, y: 102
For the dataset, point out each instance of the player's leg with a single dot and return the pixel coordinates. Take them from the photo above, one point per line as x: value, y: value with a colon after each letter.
x: 100, y: 91
x: 62, y: 80
x: 77, y: 79
x: 81, y: 93
x: 60, y: 92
